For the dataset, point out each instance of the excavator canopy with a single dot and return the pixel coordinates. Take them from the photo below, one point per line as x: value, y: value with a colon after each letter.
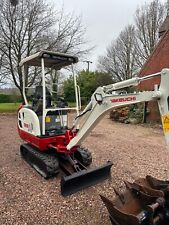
x: 53, y: 60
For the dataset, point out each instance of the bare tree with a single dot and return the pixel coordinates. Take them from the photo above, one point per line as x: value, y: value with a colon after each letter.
x: 68, y: 35
x: 4, y: 78
x: 148, y: 19
x: 29, y: 26
x: 14, y: 2
x: 120, y: 58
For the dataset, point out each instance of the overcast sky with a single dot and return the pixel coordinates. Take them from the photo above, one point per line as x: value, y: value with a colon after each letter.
x: 104, y: 19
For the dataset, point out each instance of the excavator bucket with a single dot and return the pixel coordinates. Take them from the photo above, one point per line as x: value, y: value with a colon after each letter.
x: 85, y: 178
x: 144, y: 202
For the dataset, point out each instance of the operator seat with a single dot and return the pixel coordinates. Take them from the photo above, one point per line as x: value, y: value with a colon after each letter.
x: 37, y: 103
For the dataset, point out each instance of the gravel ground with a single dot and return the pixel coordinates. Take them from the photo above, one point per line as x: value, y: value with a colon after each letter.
x: 28, y: 199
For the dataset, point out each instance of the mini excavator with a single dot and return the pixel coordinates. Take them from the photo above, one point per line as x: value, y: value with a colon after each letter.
x: 52, y: 147
x: 44, y: 128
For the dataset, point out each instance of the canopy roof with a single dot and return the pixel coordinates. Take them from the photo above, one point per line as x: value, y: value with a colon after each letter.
x: 53, y: 60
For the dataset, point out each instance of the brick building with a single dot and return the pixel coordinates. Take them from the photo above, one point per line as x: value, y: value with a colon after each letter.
x: 158, y: 60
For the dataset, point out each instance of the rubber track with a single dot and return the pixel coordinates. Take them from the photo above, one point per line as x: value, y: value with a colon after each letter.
x: 47, y: 163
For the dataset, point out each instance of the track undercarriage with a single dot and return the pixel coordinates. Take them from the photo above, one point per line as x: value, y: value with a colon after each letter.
x: 145, y: 202
x: 75, y: 174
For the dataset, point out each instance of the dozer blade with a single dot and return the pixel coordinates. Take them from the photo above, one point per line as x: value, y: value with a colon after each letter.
x: 85, y: 178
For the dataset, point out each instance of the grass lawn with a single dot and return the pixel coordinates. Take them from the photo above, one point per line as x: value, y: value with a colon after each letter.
x: 9, y: 107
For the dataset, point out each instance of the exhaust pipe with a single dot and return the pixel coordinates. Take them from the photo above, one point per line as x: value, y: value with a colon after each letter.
x: 85, y: 178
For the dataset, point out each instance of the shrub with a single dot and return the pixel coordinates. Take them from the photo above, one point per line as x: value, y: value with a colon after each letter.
x: 12, y: 98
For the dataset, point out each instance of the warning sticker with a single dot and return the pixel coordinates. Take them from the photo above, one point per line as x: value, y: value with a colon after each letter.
x: 165, y: 121
x: 48, y: 119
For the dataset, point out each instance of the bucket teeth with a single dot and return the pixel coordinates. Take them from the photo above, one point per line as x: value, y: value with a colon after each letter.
x: 108, y: 203
x: 144, y: 202
x: 128, y: 185
x: 157, y: 184
x: 119, y: 194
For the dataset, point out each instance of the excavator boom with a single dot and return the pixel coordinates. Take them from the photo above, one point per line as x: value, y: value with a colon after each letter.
x: 104, y: 99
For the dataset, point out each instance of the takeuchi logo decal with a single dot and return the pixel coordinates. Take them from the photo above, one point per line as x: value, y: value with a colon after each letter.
x: 126, y: 99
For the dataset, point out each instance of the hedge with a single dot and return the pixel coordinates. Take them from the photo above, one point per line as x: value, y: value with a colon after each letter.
x: 10, y: 98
